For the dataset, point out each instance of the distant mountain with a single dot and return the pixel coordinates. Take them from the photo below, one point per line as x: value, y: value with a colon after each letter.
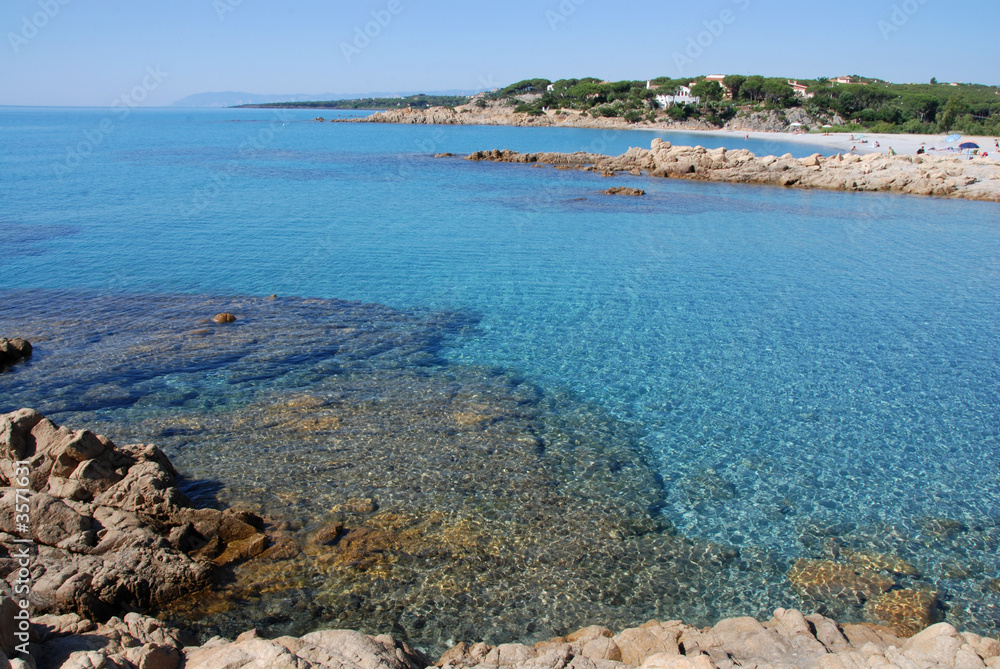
x: 234, y: 99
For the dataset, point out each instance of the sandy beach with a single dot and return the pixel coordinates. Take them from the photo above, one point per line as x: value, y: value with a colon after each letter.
x: 906, y: 145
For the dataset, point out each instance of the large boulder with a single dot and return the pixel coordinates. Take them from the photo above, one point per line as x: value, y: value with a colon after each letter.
x: 112, y: 531
x: 333, y: 649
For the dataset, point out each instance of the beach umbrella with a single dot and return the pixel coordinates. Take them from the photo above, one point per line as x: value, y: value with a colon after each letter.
x: 968, y: 145
x: 952, y: 138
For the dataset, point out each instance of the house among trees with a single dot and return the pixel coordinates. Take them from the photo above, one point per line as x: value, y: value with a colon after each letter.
x: 681, y: 97
x: 801, y: 90
x: 843, y: 80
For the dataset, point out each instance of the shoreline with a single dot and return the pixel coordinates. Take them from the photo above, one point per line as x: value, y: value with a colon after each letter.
x: 864, y: 143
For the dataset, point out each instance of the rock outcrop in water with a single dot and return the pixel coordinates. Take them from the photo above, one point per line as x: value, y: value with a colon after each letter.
x: 13, y: 350
x: 107, y: 527
x: 917, y: 175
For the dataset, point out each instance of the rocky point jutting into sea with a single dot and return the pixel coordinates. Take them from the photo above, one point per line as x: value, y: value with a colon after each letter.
x: 112, y: 534
x: 917, y: 175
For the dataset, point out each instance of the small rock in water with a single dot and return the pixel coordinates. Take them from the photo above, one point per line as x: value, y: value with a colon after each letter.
x: 224, y: 317
x: 356, y: 505
x: 624, y: 190
x: 443, y: 155
x: 13, y: 350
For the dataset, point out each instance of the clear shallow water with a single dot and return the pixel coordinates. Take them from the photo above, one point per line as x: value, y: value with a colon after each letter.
x: 798, y: 367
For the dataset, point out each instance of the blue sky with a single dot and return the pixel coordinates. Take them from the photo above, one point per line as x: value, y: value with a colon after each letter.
x: 90, y: 52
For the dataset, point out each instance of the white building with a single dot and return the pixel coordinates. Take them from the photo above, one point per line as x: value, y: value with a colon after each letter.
x: 801, y: 90
x: 843, y: 80
x: 681, y: 97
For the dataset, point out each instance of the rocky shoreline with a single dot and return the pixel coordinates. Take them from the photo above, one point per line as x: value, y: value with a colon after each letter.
x: 112, y: 535
x: 919, y: 175
x: 789, y: 640
x: 494, y: 114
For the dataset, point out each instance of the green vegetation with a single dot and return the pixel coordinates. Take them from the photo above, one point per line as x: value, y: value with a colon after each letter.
x: 414, y: 101
x: 867, y: 104
x: 879, y: 106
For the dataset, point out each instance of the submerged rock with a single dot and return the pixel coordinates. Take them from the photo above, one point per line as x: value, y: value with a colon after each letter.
x: 906, y: 612
x: 224, y: 317
x: 827, y: 580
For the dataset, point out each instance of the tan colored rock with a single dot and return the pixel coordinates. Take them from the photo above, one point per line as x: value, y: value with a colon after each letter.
x: 586, y: 633
x: 602, y: 648
x: 638, y: 643
x: 985, y: 647
x: 670, y: 661
x: 828, y: 633
x: 937, y: 644
x: 792, y: 625
x: 224, y: 317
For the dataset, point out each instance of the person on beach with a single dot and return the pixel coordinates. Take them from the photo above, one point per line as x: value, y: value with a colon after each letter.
x: 747, y: 136
x: 853, y: 149
x: 891, y: 152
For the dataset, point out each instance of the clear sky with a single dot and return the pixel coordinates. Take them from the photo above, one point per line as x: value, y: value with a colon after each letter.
x: 90, y: 52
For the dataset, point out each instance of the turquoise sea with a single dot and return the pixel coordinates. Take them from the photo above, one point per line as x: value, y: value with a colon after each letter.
x: 657, y: 405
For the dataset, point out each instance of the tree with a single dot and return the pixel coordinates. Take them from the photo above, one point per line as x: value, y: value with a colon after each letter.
x: 708, y: 91
x: 734, y: 82
x: 934, y: 80
x: 778, y: 92
x: 924, y: 107
x: 753, y: 88
x: 952, y: 110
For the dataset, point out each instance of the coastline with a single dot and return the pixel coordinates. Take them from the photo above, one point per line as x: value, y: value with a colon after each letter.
x: 863, y: 143
x: 912, y: 175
